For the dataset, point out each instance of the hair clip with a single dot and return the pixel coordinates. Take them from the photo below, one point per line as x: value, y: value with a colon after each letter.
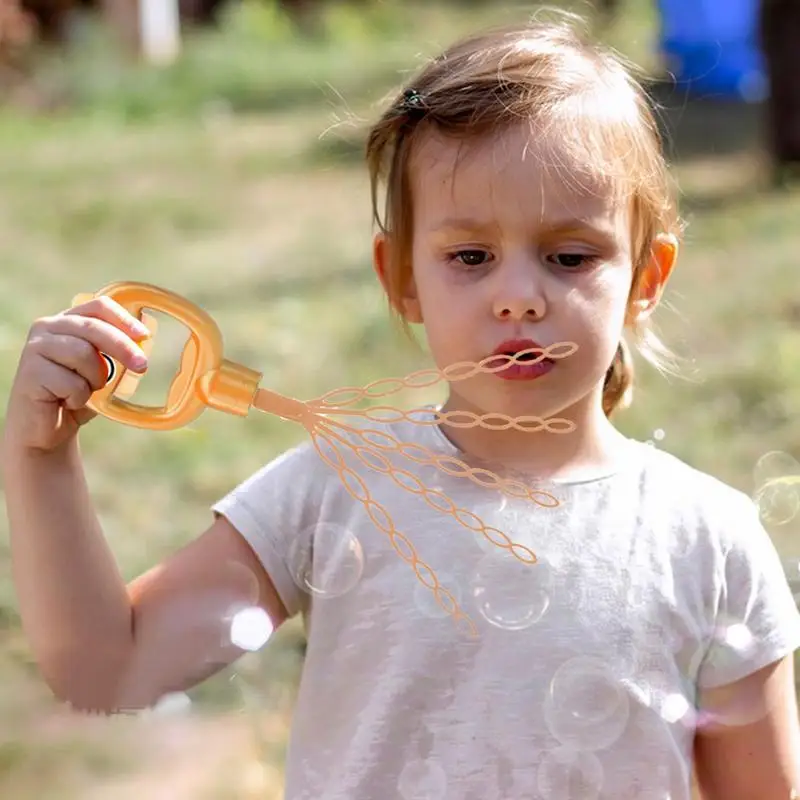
x: 413, y: 102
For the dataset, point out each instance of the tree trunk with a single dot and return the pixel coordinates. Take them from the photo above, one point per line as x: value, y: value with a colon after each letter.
x: 780, y: 35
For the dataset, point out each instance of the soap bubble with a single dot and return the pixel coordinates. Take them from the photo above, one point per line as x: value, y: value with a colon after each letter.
x: 171, y: 704
x: 777, y: 487
x: 586, y: 707
x: 202, y: 615
x: 655, y: 691
x: 251, y: 628
x: 731, y: 643
x: 736, y: 637
x: 422, y: 780
x: 326, y: 560
x: 775, y: 464
x: 569, y: 774
x: 426, y: 602
x: 509, y: 593
x: 490, y: 509
x: 675, y: 708
x: 778, y: 503
x: 430, y: 476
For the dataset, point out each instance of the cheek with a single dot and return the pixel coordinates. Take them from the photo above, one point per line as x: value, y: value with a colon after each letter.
x: 604, y: 305
x: 596, y: 324
x: 434, y: 292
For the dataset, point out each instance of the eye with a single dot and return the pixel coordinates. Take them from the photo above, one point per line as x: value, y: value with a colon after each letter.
x: 572, y: 260
x: 471, y: 258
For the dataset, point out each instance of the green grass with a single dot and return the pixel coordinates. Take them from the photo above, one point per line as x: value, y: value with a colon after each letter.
x: 214, y: 178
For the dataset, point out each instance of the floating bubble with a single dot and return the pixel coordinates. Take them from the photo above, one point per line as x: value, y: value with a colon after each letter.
x: 772, y: 465
x: 426, y: 602
x: 251, y: 628
x: 569, y: 774
x: 778, y: 503
x: 431, y: 477
x: 655, y: 691
x: 675, y: 708
x: 777, y: 487
x: 202, y: 614
x: 510, y: 593
x: 658, y: 434
x: 499, y: 504
x: 422, y: 780
x: 731, y: 643
x: 587, y: 707
x: 490, y: 509
x: 326, y: 560
x: 171, y: 704
x: 737, y: 637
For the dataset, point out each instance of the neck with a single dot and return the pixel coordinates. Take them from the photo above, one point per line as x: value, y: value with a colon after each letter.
x: 593, y: 447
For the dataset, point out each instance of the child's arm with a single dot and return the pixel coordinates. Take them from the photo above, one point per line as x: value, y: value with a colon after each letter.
x: 753, y: 753
x: 748, y: 742
x: 101, y: 645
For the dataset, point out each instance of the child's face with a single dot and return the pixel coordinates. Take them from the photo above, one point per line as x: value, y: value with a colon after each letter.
x: 503, y: 250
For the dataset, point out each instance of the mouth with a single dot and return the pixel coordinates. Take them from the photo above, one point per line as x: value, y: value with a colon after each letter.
x: 519, y: 359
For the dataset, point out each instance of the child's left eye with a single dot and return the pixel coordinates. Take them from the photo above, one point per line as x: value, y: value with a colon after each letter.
x: 572, y: 260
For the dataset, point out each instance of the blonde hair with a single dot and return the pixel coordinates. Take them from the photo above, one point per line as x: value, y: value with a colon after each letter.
x: 543, y: 74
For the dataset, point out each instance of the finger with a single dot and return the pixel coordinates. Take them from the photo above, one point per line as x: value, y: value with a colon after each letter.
x: 103, y: 336
x: 59, y: 383
x: 84, y: 415
x: 76, y: 354
x: 110, y: 311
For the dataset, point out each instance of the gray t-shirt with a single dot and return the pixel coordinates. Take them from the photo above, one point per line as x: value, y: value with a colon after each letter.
x: 651, y: 582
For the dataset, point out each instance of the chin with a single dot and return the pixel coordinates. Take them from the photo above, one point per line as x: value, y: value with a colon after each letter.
x: 511, y: 398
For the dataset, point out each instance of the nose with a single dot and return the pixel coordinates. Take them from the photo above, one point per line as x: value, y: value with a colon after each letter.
x: 519, y: 296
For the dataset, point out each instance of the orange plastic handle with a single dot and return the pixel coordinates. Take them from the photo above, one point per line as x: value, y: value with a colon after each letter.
x: 204, y: 378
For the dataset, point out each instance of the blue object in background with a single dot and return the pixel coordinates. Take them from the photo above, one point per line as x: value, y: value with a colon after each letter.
x: 711, y: 48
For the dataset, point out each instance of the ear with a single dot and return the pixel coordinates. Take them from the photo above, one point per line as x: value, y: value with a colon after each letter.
x: 655, y: 276
x: 407, y: 305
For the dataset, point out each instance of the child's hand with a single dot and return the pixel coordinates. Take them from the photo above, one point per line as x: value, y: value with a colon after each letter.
x: 61, y: 366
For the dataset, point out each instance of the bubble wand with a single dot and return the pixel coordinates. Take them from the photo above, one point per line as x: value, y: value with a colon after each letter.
x: 206, y: 379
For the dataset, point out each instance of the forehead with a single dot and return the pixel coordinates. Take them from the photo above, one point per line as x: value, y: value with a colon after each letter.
x: 516, y: 174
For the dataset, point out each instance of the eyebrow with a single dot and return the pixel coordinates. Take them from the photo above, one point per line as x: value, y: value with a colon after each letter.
x: 549, y: 227
x: 461, y: 224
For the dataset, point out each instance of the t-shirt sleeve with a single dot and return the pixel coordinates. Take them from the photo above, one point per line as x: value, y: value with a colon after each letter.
x: 272, y: 509
x: 756, y: 621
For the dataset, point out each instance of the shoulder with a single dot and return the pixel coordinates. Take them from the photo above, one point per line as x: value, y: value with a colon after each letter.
x: 687, y: 493
x: 752, y: 617
x: 297, y: 465
x: 672, y: 470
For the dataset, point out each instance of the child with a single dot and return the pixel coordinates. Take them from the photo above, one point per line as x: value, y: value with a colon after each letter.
x: 527, y: 205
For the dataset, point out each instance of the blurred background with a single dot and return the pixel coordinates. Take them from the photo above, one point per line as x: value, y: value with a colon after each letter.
x: 214, y: 147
